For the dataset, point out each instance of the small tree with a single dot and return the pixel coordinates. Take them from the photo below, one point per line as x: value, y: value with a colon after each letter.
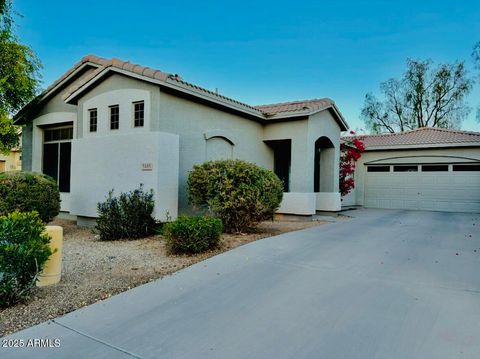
x: 351, y: 151
x: 18, y: 77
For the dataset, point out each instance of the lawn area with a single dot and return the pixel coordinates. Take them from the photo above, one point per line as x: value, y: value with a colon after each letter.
x: 94, y: 270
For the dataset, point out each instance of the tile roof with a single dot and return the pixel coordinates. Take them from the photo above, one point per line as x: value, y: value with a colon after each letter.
x: 296, y: 106
x: 151, y: 73
x: 290, y: 108
x: 422, y: 136
x: 263, y: 112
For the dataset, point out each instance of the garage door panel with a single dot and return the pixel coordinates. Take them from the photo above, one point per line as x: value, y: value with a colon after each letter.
x: 439, y: 191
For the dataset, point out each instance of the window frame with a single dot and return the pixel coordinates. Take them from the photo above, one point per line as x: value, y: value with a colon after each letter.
x: 412, y: 168
x: 138, y: 122
x: 378, y: 168
x: 114, y: 123
x: 92, y: 126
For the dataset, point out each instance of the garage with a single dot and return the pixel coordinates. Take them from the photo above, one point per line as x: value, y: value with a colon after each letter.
x: 424, y: 169
x: 438, y: 187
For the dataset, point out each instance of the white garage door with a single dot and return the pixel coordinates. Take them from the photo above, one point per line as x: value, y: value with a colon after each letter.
x: 437, y: 187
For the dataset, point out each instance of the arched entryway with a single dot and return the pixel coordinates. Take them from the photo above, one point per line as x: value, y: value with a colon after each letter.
x: 324, y: 162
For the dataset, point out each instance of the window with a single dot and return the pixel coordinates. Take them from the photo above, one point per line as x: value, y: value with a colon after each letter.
x: 405, y: 168
x: 93, y: 119
x: 434, y: 168
x: 57, y: 150
x: 138, y: 114
x: 58, y: 134
x: 467, y: 168
x: 378, y: 169
x: 114, y: 117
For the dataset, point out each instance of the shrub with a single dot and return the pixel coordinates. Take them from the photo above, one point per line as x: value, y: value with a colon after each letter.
x: 240, y: 193
x: 29, y: 191
x: 23, y: 253
x: 126, y: 216
x: 192, y: 234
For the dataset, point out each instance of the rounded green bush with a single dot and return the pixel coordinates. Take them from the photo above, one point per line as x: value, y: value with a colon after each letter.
x: 239, y: 192
x: 29, y: 191
x: 192, y: 234
x: 24, y: 249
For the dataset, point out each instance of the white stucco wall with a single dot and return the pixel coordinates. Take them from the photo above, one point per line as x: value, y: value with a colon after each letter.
x: 298, y: 203
x: 191, y: 121
x: 439, y: 155
x: 122, y: 162
x: 125, y: 99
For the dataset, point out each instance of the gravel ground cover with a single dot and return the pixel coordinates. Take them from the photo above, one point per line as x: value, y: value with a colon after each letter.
x: 94, y: 270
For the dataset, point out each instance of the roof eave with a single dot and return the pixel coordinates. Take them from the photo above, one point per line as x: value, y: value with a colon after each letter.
x: 45, y: 95
x: 304, y: 113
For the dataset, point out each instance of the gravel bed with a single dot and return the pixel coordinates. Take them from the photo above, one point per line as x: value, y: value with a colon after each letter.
x: 94, y: 270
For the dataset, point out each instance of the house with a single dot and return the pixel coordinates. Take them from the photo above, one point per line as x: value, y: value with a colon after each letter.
x: 112, y: 124
x: 11, y: 161
x: 423, y: 169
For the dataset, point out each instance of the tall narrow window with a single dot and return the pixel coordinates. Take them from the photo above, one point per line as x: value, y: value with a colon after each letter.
x: 93, y: 119
x: 138, y: 114
x: 114, y: 117
x: 57, y: 149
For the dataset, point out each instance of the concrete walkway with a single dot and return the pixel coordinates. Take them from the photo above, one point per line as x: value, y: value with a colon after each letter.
x: 385, y: 284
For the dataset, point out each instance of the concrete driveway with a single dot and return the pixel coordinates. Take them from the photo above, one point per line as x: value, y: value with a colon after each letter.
x: 385, y: 284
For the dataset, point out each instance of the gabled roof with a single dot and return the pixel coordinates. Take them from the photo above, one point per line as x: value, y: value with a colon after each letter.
x: 105, y: 67
x: 422, y: 137
x: 295, y: 106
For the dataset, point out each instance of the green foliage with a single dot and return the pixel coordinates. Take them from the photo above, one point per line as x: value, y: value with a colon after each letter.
x: 240, y: 193
x: 29, y: 191
x: 192, y: 234
x: 23, y: 253
x: 126, y: 216
x: 423, y: 97
x: 18, y: 76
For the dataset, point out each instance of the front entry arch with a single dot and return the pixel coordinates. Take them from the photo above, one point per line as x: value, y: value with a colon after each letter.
x: 324, y: 162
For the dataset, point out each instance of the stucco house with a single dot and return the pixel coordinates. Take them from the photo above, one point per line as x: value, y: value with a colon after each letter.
x: 423, y: 169
x: 112, y: 124
x: 11, y: 161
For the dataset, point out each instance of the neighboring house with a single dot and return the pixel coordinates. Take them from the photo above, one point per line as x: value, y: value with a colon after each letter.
x: 424, y: 169
x: 113, y: 124
x: 11, y: 162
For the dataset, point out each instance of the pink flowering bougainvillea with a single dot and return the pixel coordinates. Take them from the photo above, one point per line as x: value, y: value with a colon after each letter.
x: 351, y: 151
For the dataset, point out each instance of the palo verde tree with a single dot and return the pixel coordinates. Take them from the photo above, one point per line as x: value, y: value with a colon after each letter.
x: 426, y: 96
x: 18, y: 76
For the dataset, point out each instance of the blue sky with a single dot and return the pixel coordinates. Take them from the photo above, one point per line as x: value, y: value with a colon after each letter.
x: 259, y: 51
